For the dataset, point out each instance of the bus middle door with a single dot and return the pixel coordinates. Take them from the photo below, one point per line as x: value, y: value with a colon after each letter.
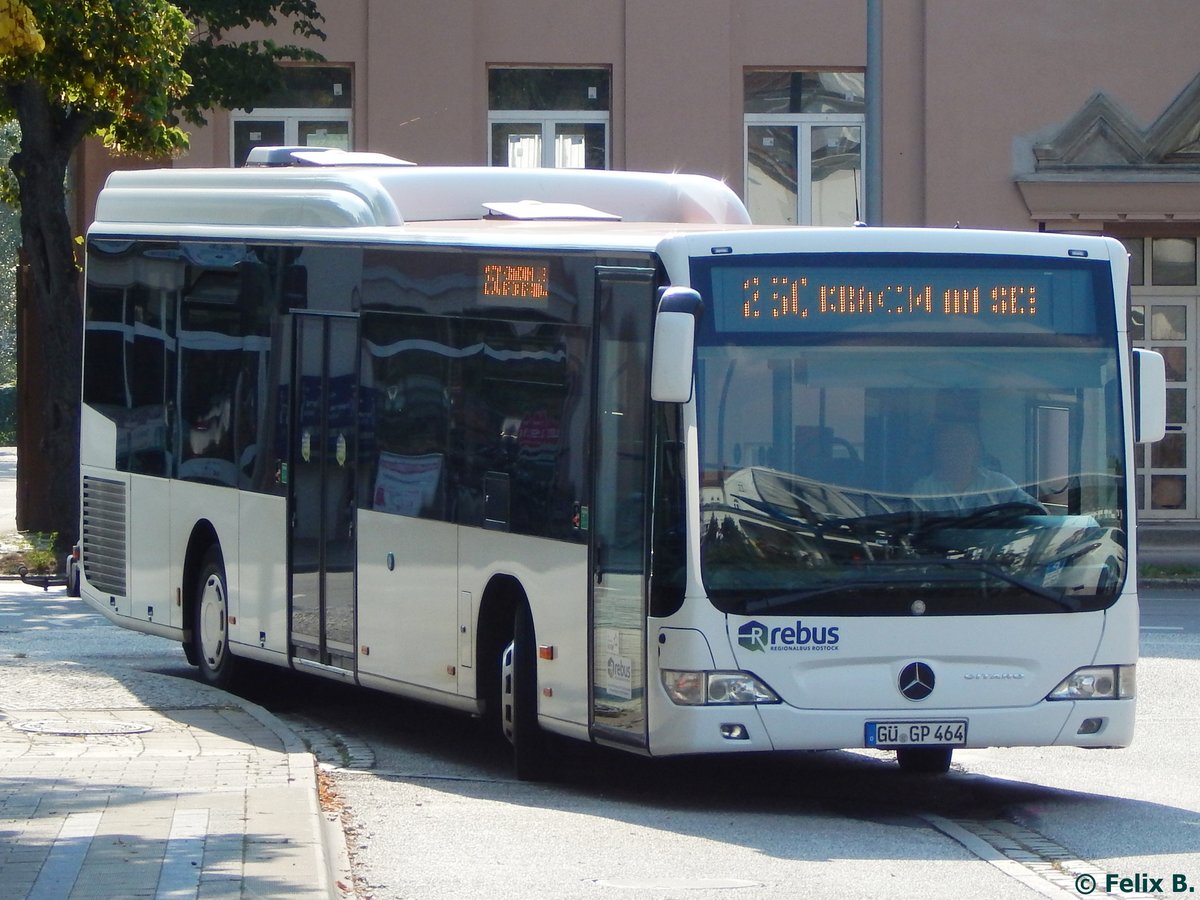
x: 323, y: 462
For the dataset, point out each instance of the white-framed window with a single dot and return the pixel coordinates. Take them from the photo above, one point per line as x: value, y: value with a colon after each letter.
x: 804, y: 138
x: 313, y: 109
x: 1164, y: 309
x: 549, y: 117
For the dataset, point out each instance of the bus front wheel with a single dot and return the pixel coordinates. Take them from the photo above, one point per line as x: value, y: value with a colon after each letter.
x: 518, y: 700
x: 210, y: 631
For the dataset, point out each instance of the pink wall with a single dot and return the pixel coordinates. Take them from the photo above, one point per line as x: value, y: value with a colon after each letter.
x: 997, y: 71
x: 963, y: 80
x: 684, y: 65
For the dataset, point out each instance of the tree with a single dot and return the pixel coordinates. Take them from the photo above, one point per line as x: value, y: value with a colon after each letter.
x: 126, y: 71
x: 10, y: 238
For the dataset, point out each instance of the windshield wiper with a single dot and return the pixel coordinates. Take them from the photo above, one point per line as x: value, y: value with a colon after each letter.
x: 915, y: 523
x: 994, y: 515
x: 1071, y: 604
x: 1060, y: 599
x: 966, y: 565
x: 777, y: 600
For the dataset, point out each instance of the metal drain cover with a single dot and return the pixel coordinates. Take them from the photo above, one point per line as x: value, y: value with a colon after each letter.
x: 83, y: 727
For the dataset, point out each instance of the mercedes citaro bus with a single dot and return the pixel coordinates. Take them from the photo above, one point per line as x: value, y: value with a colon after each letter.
x: 588, y: 454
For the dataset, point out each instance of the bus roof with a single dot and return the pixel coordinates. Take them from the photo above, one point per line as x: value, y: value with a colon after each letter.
x: 363, y: 196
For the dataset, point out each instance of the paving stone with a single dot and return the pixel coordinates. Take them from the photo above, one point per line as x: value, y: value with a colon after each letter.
x: 152, y: 784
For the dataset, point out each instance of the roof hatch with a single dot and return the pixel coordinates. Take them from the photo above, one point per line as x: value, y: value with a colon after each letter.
x: 538, y: 210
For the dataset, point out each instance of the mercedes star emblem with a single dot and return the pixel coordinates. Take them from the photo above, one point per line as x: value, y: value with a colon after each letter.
x: 916, y: 681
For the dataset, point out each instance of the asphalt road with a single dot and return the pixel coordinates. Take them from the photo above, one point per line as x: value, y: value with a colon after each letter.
x: 433, y: 810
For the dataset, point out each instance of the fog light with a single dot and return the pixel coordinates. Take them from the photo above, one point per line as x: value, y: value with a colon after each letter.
x: 1090, y: 726
x: 734, y: 732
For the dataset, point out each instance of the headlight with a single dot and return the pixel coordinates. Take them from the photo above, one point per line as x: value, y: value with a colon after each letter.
x: 1097, y: 683
x: 715, y: 688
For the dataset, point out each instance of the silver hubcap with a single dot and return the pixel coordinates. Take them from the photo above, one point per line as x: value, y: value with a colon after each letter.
x: 506, y: 692
x: 212, y: 622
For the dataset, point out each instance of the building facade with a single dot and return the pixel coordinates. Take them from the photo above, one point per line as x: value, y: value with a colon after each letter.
x: 1058, y: 115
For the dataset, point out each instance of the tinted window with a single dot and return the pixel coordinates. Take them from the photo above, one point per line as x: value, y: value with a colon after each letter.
x: 522, y: 397
x: 130, y: 347
x: 409, y: 373
x: 475, y: 387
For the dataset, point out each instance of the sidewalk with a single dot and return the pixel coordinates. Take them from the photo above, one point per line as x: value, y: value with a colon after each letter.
x: 121, y: 783
x: 159, y: 788
x: 118, y: 782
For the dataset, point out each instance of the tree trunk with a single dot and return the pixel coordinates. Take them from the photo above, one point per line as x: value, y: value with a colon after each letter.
x: 54, y: 309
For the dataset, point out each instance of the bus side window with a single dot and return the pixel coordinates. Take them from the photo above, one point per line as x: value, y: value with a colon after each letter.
x: 129, y: 373
x: 519, y: 391
x: 406, y: 370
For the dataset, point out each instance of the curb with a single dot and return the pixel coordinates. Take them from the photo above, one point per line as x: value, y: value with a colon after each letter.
x: 333, y: 851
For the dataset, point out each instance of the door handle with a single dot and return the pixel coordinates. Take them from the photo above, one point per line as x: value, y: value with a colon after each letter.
x: 599, y: 559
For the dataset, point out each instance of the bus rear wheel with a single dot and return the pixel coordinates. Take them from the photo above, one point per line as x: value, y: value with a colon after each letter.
x: 518, y: 701
x: 210, y: 630
x: 925, y: 760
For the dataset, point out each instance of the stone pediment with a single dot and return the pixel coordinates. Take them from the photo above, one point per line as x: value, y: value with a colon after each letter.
x: 1102, y: 135
x: 1101, y: 166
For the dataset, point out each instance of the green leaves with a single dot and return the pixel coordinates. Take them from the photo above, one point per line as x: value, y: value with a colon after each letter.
x: 234, y: 74
x: 116, y: 64
x: 130, y: 69
x: 220, y: 16
x: 126, y: 71
x: 19, y: 33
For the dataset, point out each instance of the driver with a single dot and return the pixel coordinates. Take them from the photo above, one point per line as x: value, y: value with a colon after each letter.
x: 959, y: 480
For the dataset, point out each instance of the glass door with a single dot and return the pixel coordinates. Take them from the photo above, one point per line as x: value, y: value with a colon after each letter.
x: 619, y: 513
x: 323, y: 455
x: 1166, y: 489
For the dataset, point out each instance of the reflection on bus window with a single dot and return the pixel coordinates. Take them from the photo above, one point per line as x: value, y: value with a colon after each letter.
x: 407, y: 373
x: 130, y: 343
x: 827, y: 466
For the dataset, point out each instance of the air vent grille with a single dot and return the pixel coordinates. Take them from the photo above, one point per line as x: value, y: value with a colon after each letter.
x: 103, y: 545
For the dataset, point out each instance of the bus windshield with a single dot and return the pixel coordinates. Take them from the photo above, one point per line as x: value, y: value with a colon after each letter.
x: 905, y: 435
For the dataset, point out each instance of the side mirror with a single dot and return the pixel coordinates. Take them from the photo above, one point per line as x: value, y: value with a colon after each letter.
x: 1149, y: 397
x: 673, y: 355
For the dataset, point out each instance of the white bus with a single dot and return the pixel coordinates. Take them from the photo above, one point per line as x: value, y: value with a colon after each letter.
x: 589, y: 455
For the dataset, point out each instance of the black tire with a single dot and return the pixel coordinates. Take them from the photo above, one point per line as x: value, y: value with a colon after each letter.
x: 210, y: 627
x: 925, y: 760
x: 72, y: 579
x: 518, y: 701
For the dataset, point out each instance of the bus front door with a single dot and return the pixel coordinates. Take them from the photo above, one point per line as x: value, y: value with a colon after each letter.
x: 323, y: 456
x: 619, y: 514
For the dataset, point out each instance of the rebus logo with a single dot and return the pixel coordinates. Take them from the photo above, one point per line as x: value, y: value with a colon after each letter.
x: 756, y: 636
x: 753, y: 636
